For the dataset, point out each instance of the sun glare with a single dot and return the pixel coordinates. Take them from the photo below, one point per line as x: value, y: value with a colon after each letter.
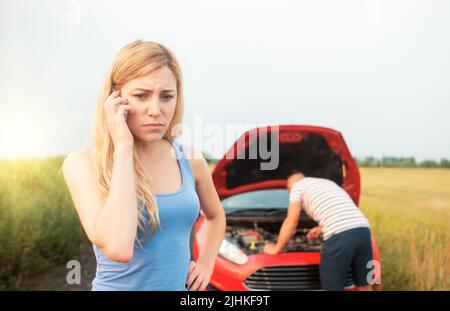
x: 22, y: 138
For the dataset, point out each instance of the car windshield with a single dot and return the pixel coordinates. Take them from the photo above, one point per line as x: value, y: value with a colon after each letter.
x: 260, y: 199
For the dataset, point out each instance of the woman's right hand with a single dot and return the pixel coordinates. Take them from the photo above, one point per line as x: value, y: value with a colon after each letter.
x: 115, y: 107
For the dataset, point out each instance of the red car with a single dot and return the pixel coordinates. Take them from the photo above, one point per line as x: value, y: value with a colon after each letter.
x: 255, y: 202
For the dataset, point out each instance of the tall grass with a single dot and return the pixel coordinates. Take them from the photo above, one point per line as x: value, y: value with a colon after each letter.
x: 409, y: 211
x: 38, y: 225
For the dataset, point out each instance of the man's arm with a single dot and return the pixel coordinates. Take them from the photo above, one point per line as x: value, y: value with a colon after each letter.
x: 289, y: 225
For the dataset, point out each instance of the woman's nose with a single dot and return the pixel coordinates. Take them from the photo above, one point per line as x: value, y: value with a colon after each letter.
x: 154, y: 107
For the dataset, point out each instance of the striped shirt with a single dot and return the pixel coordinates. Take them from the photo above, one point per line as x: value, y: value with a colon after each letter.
x: 328, y: 205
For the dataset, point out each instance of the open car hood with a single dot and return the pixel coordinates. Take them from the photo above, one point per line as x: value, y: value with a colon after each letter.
x: 316, y: 151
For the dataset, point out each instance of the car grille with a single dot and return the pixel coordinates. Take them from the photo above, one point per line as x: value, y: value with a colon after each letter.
x: 288, y: 278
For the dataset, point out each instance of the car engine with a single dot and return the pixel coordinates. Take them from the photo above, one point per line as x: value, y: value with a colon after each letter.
x: 252, y: 240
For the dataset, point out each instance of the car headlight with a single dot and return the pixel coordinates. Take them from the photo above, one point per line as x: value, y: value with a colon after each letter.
x: 233, y: 253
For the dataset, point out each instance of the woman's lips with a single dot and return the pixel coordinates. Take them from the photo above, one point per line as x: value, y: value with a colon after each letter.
x: 153, y: 126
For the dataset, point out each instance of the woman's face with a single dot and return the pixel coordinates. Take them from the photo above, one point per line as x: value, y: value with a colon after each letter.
x: 153, y: 100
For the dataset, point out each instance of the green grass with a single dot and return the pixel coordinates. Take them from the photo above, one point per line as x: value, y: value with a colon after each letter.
x: 409, y: 211
x: 38, y: 225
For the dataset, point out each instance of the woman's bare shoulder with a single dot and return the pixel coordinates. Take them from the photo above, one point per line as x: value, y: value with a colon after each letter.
x: 192, y: 153
x: 196, y: 159
x: 80, y: 172
x: 80, y: 157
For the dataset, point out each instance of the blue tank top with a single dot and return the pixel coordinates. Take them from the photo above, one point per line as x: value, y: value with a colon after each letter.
x: 162, y: 262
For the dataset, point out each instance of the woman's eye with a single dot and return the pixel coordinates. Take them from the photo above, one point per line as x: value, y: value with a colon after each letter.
x: 167, y: 97
x: 140, y: 96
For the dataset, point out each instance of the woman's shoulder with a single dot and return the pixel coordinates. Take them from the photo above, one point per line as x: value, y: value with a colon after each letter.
x: 196, y: 159
x: 190, y: 151
x: 78, y: 157
x: 82, y: 153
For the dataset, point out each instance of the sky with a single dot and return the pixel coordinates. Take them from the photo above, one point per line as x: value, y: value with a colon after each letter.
x: 377, y: 71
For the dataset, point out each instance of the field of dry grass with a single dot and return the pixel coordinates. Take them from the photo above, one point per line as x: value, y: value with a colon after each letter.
x: 409, y: 211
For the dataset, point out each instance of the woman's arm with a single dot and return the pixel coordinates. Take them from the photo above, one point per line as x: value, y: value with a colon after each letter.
x: 111, y: 222
x: 215, y: 222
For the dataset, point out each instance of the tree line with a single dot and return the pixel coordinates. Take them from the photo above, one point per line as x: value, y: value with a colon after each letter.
x: 377, y: 162
x: 401, y: 162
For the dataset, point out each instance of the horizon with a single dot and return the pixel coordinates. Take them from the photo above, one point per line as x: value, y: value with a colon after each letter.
x: 376, y: 71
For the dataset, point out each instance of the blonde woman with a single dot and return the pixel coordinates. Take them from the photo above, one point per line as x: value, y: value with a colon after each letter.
x: 138, y: 192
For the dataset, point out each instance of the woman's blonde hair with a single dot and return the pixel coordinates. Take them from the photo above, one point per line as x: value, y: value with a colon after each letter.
x: 134, y: 60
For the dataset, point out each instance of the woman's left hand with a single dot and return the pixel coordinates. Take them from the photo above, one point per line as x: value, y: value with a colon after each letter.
x: 199, y: 276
